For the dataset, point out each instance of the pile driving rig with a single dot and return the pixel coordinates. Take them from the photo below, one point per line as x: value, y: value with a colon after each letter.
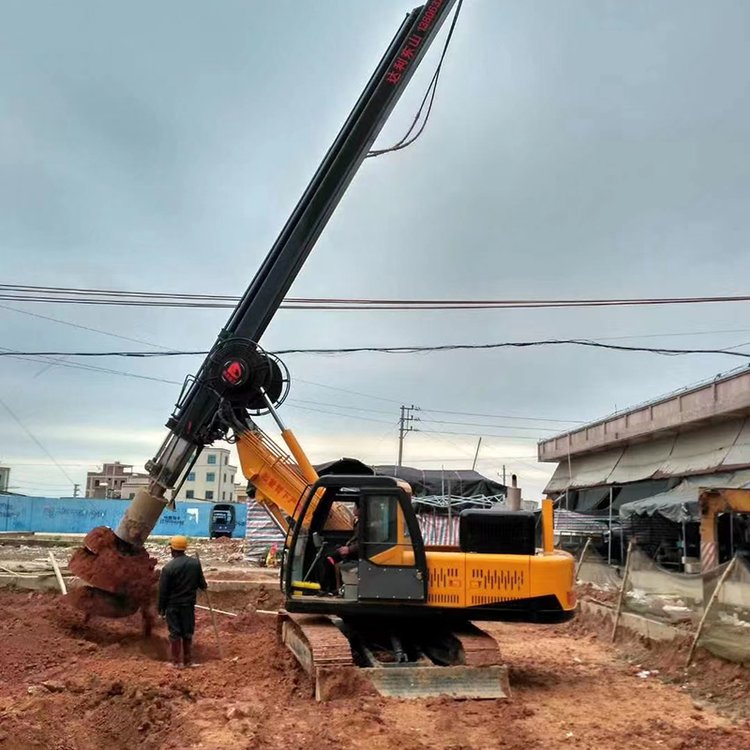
x: 404, y: 610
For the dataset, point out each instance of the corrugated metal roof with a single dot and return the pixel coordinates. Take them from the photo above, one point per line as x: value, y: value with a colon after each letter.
x: 714, y: 448
x: 642, y: 461
x: 681, y: 502
x: 702, y: 450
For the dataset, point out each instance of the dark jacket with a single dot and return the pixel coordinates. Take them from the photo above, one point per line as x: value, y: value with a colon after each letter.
x: 180, y: 578
x: 353, y: 546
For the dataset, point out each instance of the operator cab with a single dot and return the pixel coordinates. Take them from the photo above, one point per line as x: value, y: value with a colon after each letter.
x: 388, y: 560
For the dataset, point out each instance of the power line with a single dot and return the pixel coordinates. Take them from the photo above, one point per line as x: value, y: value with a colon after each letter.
x: 161, y: 346
x: 480, y: 434
x: 91, y: 368
x: 335, y: 414
x: 81, y: 464
x: 71, y: 295
x: 338, y: 406
x: 436, y: 436
x: 34, y: 438
x: 82, y: 327
x: 415, y: 429
x: 397, y: 350
x: 490, y: 426
x: 507, y: 345
x: 441, y: 411
x: 347, y: 390
x: 502, y: 416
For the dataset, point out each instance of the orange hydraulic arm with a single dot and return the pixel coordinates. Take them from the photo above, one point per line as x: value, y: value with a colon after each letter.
x: 279, y: 482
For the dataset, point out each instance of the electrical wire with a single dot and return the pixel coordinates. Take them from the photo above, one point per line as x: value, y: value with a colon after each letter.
x: 422, y: 410
x: 502, y: 416
x: 91, y: 296
x: 91, y: 368
x: 35, y: 440
x: 396, y: 350
x: 415, y: 429
x: 348, y: 390
x: 407, y: 139
x: 338, y: 406
x: 335, y: 414
x: 482, y: 435
x: 489, y: 426
x: 82, y: 327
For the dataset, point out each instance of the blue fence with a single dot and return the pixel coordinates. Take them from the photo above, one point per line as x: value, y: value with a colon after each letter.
x: 47, y: 515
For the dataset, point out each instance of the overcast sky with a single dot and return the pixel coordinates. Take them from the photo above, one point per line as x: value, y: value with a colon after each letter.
x: 575, y: 149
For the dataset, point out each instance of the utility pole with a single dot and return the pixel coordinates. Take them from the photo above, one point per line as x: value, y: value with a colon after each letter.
x: 476, y: 455
x: 404, y: 426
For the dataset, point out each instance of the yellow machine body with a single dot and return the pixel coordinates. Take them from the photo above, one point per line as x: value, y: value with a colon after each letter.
x: 456, y: 580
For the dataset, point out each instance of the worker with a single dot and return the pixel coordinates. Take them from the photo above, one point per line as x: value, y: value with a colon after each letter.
x: 180, y: 579
x: 350, y: 550
x: 344, y: 558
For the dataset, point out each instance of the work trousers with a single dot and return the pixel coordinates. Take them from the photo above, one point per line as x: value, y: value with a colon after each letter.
x: 181, y: 622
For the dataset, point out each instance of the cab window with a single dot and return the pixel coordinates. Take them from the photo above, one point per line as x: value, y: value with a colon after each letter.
x: 381, y: 528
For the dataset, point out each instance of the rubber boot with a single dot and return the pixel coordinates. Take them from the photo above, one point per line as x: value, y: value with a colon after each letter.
x: 176, y: 653
x: 187, y: 652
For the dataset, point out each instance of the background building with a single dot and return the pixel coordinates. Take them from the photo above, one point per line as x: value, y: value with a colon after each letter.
x: 107, y: 483
x: 132, y: 484
x: 4, y: 478
x: 211, y: 478
x: 647, y: 465
x: 240, y: 492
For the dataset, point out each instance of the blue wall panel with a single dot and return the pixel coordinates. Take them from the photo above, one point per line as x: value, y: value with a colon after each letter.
x: 74, y: 516
x: 15, y: 513
x: 46, y: 515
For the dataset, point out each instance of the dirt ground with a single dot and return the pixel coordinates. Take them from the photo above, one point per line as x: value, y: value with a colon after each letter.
x: 215, y: 553
x: 69, y: 686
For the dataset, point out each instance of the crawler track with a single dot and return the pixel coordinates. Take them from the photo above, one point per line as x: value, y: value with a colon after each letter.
x: 325, y: 653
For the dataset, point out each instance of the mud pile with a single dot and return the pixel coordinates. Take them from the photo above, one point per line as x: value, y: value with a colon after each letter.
x: 121, y: 580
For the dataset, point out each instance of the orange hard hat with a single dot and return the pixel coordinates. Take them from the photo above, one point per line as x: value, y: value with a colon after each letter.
x: 179, y: 543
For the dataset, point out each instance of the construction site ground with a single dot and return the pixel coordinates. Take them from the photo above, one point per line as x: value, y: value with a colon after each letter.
x: 66, y: 685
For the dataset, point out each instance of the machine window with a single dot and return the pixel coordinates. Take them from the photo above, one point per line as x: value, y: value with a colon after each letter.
x: 381, y: 520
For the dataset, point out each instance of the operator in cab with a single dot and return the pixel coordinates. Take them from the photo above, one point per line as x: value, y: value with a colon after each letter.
x: 180, y: 580
x: 348, y: 552
x: 344, y: 559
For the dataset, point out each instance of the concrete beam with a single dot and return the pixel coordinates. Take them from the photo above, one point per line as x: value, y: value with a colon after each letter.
x: 719, y: 399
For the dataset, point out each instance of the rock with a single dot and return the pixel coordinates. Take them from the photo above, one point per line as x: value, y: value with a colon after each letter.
x: 116, y: 688
x: 54, y: 686
x: 235, y: 712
